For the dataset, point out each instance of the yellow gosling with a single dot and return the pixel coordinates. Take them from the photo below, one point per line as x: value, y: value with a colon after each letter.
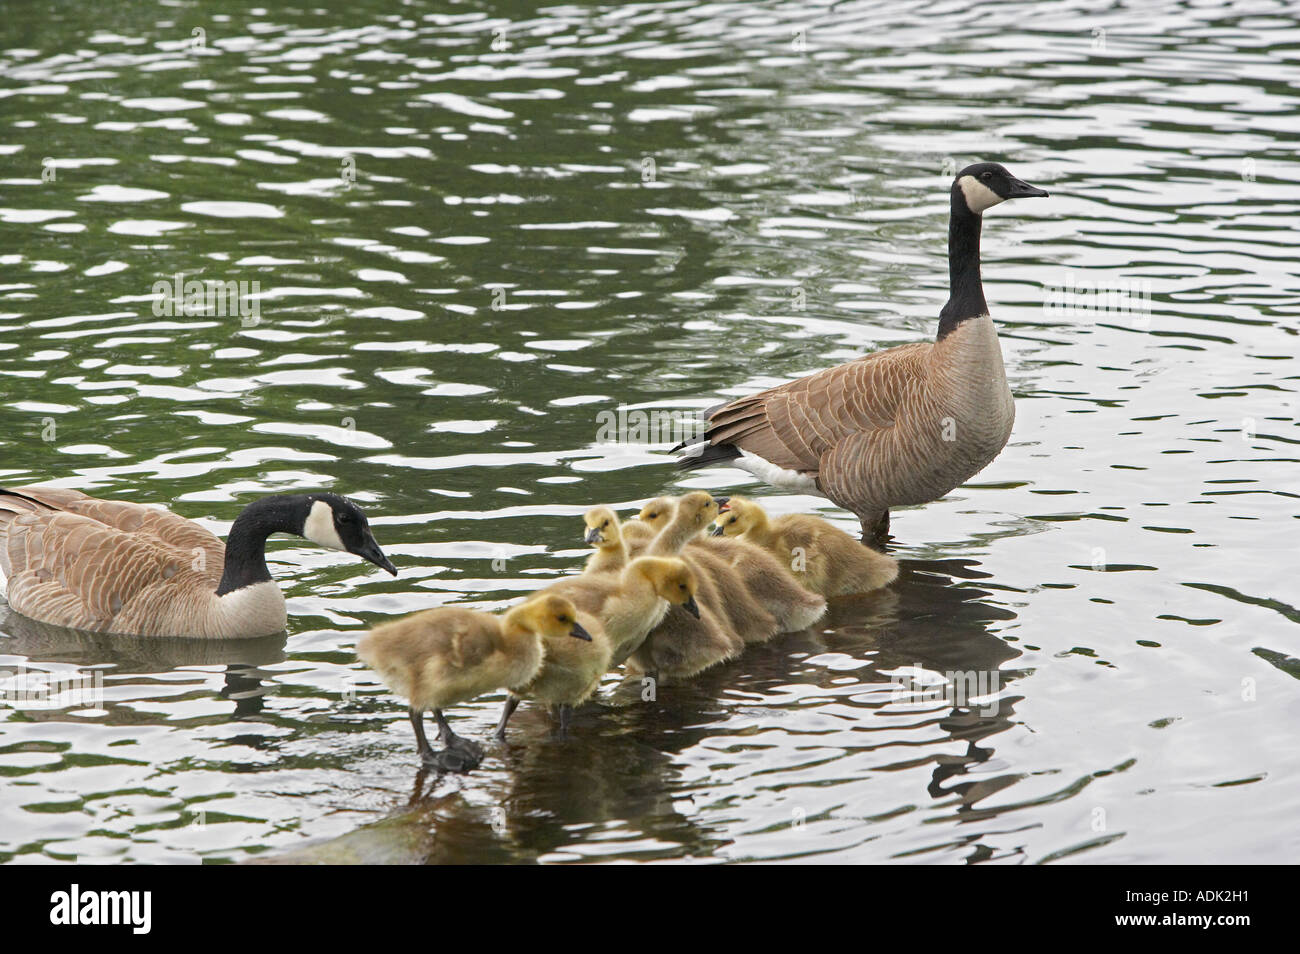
x: 823, y: 557
x: 440, y: 657
x: 630, y: 604
x: 604, y: 532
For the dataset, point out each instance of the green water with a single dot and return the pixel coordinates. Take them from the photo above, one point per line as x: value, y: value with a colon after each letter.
x: 475, y: 228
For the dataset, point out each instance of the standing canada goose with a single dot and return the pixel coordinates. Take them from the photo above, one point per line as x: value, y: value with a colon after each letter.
x: 439, y: 657
x: 822, y: 557
x: 899, y: 427
x: 605, y: 533
x: 115, y: 567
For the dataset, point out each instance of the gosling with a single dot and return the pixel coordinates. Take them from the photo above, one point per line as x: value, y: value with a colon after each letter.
x: 605, y: 533
x: 440, y: 657
x: 823, y: 557
x: 766, y: 580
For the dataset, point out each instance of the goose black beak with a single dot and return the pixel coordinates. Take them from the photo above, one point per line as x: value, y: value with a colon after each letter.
x: 1023, y: 190
x: 593, y: 535
x: 722, y: 503
x: 579, y: 633
x: 370, y: 551
x: 692, y: 607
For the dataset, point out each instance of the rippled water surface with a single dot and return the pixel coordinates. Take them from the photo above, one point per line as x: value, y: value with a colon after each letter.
x: 475, y: 227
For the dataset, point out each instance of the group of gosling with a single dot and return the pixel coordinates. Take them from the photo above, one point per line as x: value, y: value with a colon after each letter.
x: 659, y: 596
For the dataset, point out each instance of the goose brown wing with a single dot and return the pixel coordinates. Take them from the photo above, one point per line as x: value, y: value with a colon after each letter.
x: 72, y: 570
x: 200, y: 550
x: 795, y: 424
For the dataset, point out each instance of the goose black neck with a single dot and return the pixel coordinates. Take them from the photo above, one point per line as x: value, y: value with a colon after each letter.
x: 246, y: 543
x: 965, y: 292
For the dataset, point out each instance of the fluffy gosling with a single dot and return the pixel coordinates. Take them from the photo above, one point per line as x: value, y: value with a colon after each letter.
x: 823, y: 557
x: 439, y: 657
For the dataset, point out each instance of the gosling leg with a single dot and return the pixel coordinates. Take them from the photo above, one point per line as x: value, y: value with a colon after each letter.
x: 512, y: 703
x: 566, y: 714
x: 421, y: 741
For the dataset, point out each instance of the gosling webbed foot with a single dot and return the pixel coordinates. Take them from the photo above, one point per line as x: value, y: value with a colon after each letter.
x: 450, y: 760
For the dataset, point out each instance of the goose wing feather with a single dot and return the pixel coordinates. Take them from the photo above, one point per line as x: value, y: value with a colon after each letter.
x: 78, y: 561
x: 794, y: 425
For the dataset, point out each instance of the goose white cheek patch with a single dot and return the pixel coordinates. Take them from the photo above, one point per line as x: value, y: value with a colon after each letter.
x: 319, y: 528
x: 978, y: 196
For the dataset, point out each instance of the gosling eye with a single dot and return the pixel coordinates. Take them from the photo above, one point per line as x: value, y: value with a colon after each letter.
x: 604, y: 525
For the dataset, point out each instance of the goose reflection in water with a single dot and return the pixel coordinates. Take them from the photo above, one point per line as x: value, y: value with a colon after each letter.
x: 117, y: 655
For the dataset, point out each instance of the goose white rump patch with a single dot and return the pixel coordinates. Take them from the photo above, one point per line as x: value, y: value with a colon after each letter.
x: 778, y: 477
x: 319, y: 527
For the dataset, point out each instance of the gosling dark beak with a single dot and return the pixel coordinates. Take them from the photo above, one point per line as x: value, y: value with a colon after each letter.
x: 1023, y: 190
x: 715, y: 532
x: 370, y: 551
x: 692, y: 607
x: 580, y: 633
x: 722, y: 503
x: 593, y: 535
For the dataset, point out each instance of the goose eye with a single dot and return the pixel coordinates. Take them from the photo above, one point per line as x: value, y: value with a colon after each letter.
x: 986, y: 175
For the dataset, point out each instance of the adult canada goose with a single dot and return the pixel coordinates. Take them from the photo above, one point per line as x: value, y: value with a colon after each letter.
x: 894, y: 428
x: 439, y: 657
x: 604, y: 532
x: 115, y: 567
x: 822, y: 557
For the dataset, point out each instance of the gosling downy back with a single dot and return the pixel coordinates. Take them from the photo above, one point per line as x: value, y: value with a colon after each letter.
x: 823, y: 558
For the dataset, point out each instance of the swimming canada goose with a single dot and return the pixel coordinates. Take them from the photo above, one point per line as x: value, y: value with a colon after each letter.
x: 605, y: 533
x: 130, y: 569
x: 618, y: 617
x: 439, y: 657
x: 631, y: 603
x: 822, y: 557
x: 898, y: 427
